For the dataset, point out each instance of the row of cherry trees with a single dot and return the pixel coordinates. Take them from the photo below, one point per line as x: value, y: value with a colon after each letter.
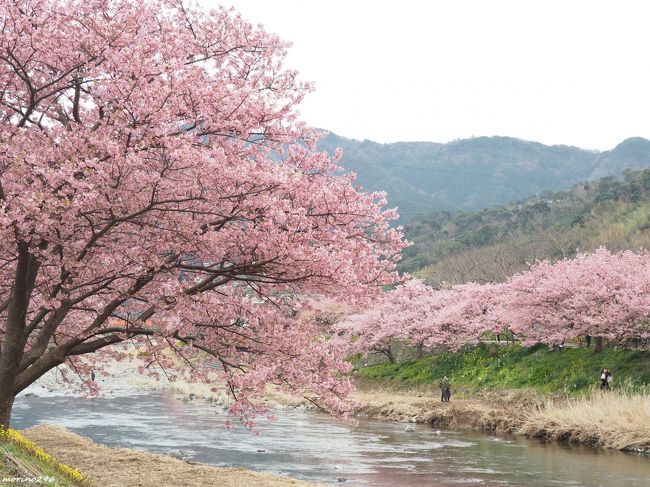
x: 601, y: 294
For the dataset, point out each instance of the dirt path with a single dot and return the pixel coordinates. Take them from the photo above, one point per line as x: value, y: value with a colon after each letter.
x: 120, y: 467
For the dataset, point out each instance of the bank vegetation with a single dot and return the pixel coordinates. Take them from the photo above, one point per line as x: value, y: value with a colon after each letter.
x: 617, y: 419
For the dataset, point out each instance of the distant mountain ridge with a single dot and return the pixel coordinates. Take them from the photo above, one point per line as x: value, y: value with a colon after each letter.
x: 494, y: 243
x: 476, y: 173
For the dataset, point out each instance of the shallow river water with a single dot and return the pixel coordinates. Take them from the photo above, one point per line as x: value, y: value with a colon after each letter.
x: 313, y: 446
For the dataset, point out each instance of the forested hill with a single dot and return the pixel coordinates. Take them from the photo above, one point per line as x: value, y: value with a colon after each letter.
x: 476, y: 173
x: 494, y: 243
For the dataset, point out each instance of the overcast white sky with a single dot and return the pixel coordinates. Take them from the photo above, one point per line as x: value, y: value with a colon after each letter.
x: 558, y: 72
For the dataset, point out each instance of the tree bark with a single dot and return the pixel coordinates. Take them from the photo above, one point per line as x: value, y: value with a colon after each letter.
x: 15, y: 331
x: 8, y: 372
x: 6, y: 404
x: 389, y: 354
x: 599, y: 344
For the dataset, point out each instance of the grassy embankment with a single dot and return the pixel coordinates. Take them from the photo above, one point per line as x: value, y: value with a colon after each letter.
x: 497, y: 367
x: 22, y: 462
x: 553, y: 391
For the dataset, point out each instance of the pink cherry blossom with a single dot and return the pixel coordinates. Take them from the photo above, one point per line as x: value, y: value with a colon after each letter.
x: 601, y: 294
x: 156, y: 186
x: 419, y: 315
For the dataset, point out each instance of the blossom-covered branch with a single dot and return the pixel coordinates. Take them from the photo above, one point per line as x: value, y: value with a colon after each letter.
x: 155, y: 181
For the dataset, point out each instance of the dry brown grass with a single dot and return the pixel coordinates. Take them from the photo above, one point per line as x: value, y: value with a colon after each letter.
x: 427, y: 408
x: 609, y: 419
x: 617, y: 419
x: 120, y: 467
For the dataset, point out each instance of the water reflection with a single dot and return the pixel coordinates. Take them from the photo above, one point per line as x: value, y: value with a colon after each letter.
x: 315, y: 447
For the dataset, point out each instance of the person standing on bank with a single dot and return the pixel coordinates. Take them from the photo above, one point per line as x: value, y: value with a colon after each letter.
x: 445, y: 389
x: 605, y: 379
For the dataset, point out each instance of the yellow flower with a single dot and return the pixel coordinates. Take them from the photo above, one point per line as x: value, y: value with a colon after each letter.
x: 32, y: 448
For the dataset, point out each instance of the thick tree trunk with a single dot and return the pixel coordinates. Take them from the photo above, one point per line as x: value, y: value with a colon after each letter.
x: 15, y: 337
x: 419, y: 351
x: 599, y: 344
x: 8, y: 372
x: 6, y: 404
x: 389, y: 354
x: 11, y: 353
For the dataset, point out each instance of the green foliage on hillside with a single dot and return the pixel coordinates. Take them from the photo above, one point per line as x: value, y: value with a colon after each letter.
x: 492, y: 366
x: 476, y: 173
x: 492, y: 244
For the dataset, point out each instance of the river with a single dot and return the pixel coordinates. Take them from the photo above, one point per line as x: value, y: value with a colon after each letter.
x: 313, y: 446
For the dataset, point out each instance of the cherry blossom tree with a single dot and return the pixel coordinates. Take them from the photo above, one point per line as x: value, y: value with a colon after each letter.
x: 466, y: 313
x: 395, y: 316
x: 156, y: 186
x: 423, y: 317
x: 601, y: 294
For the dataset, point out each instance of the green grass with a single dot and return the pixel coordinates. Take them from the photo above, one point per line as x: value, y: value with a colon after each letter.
x: 8, y: 469
x: 513, y: 366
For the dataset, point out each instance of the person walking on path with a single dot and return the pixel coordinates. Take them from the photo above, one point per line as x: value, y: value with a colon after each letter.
x: 445, y: 389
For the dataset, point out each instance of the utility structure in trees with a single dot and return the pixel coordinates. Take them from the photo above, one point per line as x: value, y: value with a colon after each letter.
x: 156, y: 186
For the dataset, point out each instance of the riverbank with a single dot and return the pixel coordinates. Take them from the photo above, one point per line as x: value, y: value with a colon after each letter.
x: 619, y: 419
x: 613, y: 419
x: 472, y: 414
x: 610, y: 419
x: 22, y: 461
x: 532, y: 391
x: 118, y: 467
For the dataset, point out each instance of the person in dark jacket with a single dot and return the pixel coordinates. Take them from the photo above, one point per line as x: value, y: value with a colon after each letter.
x: 445, y: 389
